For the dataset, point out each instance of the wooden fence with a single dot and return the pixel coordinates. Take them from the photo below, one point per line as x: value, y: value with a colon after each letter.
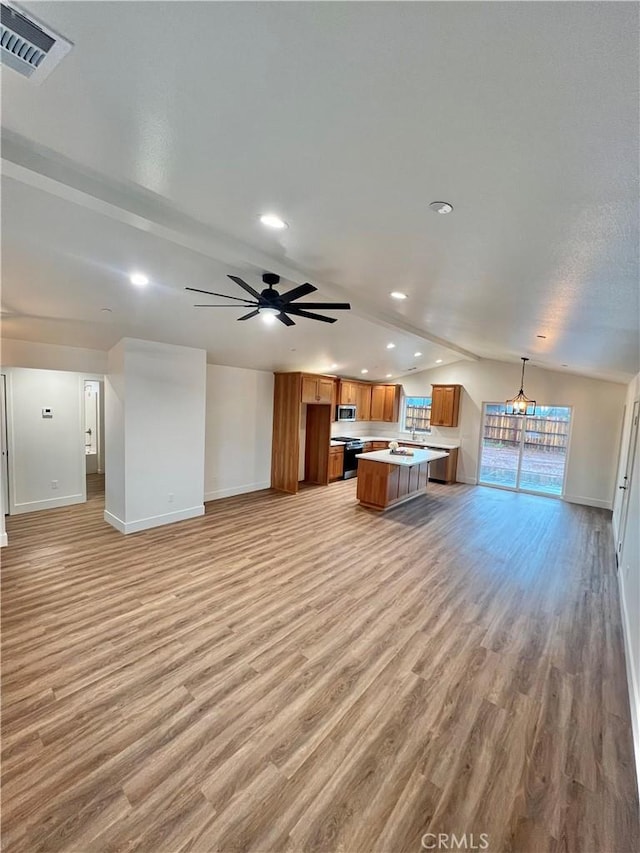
x: 546, y: 433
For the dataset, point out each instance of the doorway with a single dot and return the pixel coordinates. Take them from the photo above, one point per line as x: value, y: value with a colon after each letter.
x: 93, y: 433
x: 525, y: 453
x: 4, y: 465
x: 627, y: 477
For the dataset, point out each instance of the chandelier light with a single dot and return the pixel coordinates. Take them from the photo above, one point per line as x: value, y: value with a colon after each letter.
x: 521, y: 404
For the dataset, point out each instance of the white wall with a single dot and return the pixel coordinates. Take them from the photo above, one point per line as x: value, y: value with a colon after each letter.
x: 52, y: 357
x: 629, y: 566
x: 595, y: 429
x: 113, y: 435
x: 163, y: 433
x: 3, y: 530
x: 239, y: 423
x: 45, y: 451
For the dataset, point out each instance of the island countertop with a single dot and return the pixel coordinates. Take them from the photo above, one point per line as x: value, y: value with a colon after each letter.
x: 418, y: 457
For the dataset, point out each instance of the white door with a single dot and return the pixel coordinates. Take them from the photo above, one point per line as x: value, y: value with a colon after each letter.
x: 628, y: 474
x: 4, y: 467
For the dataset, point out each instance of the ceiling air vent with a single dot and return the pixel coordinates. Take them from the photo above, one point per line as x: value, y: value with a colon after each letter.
x: 29, y: 46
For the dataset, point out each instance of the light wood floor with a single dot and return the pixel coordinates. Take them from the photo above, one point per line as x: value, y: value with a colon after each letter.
x: 293, y: 673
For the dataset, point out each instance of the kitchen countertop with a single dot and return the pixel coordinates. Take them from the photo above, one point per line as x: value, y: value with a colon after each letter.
x: 419, y: 456
x: 451, y: 445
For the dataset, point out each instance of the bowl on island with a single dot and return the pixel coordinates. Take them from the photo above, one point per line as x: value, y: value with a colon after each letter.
x: 393, y: 445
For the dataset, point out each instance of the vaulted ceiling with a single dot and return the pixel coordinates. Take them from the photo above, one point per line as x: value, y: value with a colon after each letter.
x: 170, y: 127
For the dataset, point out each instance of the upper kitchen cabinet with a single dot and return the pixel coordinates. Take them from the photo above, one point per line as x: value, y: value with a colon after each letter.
x: 385, y: 403
x: 348, y: 393
x: 377, y: 402
x: 445, y: 405
x: 317, y: 389
x: 391, y: 411
x: 363, y: 402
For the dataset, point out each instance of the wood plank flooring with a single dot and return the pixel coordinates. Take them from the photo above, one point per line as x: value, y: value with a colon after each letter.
x: 295, y: 673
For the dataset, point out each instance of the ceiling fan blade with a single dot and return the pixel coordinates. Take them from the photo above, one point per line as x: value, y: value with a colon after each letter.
x: 333, y: 306
x: 212, y: 293
x: 209, y: 305
x: 297, y: 292
x: 284, y: 319
x: 298, y: 312
x: 249, y: 315
x: 244, y: 285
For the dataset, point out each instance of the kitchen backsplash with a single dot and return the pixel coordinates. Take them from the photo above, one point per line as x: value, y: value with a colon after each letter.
x: 359, y: 428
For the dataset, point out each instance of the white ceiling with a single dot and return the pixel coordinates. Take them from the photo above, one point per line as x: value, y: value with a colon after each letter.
x: 168, y: 129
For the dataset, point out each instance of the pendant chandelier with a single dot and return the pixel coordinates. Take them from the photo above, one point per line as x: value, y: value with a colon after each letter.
x: 521, y: 404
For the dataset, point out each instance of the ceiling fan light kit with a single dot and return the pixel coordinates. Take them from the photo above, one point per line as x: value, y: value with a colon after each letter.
x: 520, y: 404
x: 272, y: 305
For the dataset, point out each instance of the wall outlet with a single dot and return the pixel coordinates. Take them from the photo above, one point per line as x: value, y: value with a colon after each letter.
x: 171, y: 496
x: 54, y: 484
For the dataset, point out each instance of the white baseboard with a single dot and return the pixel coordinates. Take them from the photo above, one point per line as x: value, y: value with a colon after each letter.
x: 632, y: 682
x: 152, y: 521
x: 50, y: 503
x: 236, y: 490
x: 4, y: 540
x: 578, y: 499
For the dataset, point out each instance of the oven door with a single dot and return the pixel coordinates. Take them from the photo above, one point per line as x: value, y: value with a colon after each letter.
x: 350, y: 461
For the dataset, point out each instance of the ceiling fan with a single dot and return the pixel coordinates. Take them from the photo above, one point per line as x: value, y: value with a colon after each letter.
x: 276, y: 306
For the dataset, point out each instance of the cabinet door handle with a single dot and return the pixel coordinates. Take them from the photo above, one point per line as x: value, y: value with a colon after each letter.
x: 622, y: 487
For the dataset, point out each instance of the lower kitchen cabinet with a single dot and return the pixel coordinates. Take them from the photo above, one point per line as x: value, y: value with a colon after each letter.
x: 441, y: 470
x: 336, y: 463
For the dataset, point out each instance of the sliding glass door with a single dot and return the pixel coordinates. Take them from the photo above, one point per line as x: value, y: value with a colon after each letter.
x: 527, y: 453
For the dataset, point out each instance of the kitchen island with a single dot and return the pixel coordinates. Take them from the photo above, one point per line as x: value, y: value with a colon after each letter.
x: 387, y: 479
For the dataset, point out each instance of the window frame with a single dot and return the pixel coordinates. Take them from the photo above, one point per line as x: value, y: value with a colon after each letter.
x: 405, y: 405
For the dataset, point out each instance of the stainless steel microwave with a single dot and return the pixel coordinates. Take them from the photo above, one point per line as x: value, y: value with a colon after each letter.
x: 346, y: 413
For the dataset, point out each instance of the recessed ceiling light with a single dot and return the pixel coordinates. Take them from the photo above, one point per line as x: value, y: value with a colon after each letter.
x: 333, y: 366
x: 565, y: 365
x: 417, y: 354
x: 396, y: 294
x: 364, y: 370
x: 106, y: 310
x: 441, y: 206
x: 438, y: 361
x: 271, y: 220
x: 139, y: 279
x: 391, y: 346
x: 389, y: 375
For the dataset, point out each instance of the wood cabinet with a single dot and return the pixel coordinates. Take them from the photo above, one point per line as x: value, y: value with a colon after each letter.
x: 377, y: 402
x: 348, y: 392
x: 382, y: 485
x: 441, y: 470
x: 385, y: 403
x: 391, y: 411
x: 317, y: 389
x: 291, y: 390
x: 445, y: 405
x: 363, y: 402
x: 336, y: 463
x: 444, y: 470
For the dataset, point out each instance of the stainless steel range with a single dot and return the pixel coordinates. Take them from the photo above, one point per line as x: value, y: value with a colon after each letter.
x: 352, y: 446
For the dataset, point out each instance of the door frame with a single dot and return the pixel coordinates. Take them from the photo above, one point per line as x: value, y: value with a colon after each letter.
x: 4, y: 444
x: 517, y: 487
x: 628, y: 476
